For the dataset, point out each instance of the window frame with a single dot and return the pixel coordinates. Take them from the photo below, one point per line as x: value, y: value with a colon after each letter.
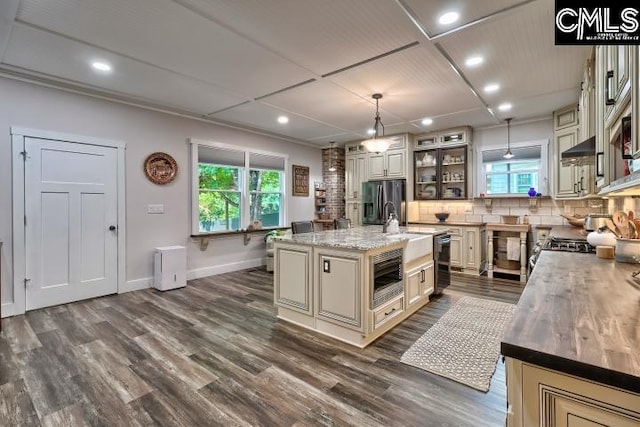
x: 544, y: 180
x: 245, y: 193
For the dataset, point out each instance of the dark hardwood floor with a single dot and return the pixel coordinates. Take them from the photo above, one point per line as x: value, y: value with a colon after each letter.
x: 214, y: 353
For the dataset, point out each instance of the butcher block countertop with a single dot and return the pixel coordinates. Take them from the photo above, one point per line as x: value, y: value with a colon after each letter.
x: 580, y: 315
x: 509, y: 227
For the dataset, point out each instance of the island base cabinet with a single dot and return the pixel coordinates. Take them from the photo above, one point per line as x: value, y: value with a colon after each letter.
x: 543, y: 397
x: 292, y: 278
x: 419, y: 282
x: 339, y: 289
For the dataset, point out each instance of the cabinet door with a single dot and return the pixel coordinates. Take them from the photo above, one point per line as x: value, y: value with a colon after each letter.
x: 413, y: 281
x: 376, y: 166
x: 352, y: 211
x: 292, y: 277
x: 566, y: 185
x: 471, y: 248
x: 396, y: 164
x: 339, y: 296
x: 354, y: 176
x: 427, y: 285
x: 456, y: 251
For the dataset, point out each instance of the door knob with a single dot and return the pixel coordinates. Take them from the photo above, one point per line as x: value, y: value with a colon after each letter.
x: 112, y: 228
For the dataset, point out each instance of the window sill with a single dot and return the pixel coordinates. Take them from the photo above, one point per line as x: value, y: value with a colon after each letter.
x: 205, y: 237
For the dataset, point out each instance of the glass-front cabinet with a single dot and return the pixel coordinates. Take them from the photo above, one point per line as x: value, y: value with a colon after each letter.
x: 441, y: 173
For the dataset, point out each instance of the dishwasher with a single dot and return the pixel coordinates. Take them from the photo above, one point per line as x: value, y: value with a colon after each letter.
x: 441, y: 258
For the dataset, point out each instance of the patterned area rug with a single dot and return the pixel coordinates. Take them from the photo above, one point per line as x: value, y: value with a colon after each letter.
x: 464, y: 344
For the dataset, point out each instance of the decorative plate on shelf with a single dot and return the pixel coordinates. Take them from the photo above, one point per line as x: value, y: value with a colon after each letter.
x: 160, y: 168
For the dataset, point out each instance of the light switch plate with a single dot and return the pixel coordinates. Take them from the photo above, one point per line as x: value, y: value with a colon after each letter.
x: 155, y: 209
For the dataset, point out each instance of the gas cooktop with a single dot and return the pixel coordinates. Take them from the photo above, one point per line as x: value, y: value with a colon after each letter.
x: 568, y: 245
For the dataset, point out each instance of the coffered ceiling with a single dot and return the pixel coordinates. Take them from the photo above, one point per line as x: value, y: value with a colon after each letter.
x: 247, y: 62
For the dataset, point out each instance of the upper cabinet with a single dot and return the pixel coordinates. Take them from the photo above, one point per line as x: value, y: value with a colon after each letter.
x: 617, y: 66
x: 454, y: 136
x: 570, y: 181
x: 390, y: 164
x: 441, y: 165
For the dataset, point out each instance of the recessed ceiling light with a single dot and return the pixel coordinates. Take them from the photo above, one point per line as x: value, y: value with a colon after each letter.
x: 101, y: 66
x: 427, y: 122
x: 491, y: 87
x: 448, y: 18
x: 283, y: 120
x: 504, y: 107
x: 473, y: 61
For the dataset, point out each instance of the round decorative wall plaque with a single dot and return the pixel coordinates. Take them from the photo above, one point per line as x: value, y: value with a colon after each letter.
x: 160, y: 168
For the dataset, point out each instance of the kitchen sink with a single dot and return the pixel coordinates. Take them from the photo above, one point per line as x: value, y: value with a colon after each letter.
x: 418, y: 246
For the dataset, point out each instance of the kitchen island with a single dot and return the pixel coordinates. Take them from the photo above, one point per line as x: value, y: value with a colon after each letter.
x: 573, y: 348
x: 354, y: 284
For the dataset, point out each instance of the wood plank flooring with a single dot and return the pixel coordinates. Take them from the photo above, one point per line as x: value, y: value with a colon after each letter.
x: 214, y: 353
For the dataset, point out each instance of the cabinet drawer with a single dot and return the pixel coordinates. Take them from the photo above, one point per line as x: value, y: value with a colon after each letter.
x: 388, y: 311
x: 455, y: 231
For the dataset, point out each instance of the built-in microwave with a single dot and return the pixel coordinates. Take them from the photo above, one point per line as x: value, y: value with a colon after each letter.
x: 386, y: 277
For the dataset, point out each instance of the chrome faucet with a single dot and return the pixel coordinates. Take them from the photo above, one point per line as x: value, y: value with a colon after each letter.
x: 384, y: 212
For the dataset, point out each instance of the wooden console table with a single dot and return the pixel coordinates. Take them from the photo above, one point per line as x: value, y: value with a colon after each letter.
x: 523, y: 230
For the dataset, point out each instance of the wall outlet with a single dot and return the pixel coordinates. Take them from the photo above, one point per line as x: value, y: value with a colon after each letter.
x: 155, y: 209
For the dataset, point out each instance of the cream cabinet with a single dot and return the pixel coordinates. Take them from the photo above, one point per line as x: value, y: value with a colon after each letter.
x: 635, y: 86
x: 468, y: 252
x: 352, y: 212
x: 338, y: 283
x: 390, y: 164
x: 543, y: 397
x: 474, y: 252
x: 570, y: 181
x: 616, y: 61
x: 461, y: 135
x: 419, y: 282
x: 293, y: 277
x: 355, y: 174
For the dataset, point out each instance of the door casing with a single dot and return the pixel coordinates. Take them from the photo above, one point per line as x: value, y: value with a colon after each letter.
x: 18, y: 135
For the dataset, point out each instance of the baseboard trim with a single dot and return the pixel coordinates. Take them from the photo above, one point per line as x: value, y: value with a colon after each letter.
x: 9, y: 309
x: 136, y: 285
x: 224, y: 268
x: 147, y: 282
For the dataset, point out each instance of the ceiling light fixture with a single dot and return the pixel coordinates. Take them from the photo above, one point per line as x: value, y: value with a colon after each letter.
x: 101, y: 66
x: 427, y: 122
x: 508, y: 154
x: 491, y: 87
x: 332, y: 166
x: 473, y: 61
x: 448, y: 18
x: 504, y: 107
x: 378, y: 143
x: 283, y: 120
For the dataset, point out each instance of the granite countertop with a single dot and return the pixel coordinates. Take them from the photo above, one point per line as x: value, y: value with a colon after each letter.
x: 357, y: 238
x: 580, y: 315
x: 453, y: 223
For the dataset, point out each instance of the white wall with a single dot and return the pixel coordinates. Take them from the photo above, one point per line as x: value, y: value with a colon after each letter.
x: 144, y: 132
x: 519, y: 132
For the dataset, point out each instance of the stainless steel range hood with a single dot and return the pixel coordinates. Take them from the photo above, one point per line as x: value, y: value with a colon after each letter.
x: 582, y: 154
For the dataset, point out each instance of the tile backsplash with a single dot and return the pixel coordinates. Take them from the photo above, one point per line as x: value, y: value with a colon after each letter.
x: 624, y: 204
x: 547, y: 212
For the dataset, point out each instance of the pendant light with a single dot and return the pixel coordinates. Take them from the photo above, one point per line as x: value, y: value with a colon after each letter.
x: 332, y: 166
x: 508, y: 154
x: 378, y: 143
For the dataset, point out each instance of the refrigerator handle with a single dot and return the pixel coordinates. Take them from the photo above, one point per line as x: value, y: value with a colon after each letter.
x: 380, y: 206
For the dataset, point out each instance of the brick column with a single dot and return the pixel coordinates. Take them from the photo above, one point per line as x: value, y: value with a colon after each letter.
x: 334, y: 181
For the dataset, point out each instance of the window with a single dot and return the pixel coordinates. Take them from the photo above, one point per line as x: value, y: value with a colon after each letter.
x: 515, y: 176
x: 236, y: 187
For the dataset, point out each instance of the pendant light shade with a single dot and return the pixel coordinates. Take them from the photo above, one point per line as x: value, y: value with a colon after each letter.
x: 378, y: 143
x: 508, y: 154
x: 332, y: 166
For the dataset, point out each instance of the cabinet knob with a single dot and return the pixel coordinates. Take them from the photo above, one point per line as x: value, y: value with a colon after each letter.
x: 112, y: 228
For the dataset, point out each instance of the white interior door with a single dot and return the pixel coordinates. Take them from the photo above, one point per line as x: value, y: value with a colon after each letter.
x: 71, y: 208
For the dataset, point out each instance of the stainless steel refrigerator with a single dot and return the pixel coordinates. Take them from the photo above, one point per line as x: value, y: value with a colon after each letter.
x: 375, y: 194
